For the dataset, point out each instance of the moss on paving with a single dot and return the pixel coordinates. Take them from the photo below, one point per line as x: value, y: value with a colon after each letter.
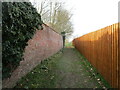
x: 63, y: 70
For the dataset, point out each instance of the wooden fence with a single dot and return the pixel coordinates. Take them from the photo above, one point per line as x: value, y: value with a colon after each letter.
x: 102, y: 49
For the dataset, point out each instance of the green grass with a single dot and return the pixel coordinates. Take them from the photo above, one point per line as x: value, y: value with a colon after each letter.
x: 92, y: 71
x: 69, y: 44
x: 41, y: 76
x: 45, y: 74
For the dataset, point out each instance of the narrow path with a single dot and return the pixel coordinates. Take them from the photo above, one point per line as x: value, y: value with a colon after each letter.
x: 63, y: 70
x: 71, y: 74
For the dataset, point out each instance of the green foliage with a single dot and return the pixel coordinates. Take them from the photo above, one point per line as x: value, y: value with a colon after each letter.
x: 19, y: 23
x: 69, y: 45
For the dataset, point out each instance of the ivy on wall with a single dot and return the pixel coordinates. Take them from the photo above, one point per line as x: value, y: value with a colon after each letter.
x: 19, y: 23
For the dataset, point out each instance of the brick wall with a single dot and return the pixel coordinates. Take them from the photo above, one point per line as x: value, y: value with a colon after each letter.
x: 44, y: 44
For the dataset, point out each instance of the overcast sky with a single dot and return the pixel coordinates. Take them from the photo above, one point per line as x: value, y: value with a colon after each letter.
x: 91, y: 15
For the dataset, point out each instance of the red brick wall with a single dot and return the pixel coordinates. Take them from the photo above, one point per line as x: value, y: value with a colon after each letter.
x: 44, y: 44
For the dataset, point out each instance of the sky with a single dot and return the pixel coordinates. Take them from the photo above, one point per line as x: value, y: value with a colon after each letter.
x: 91, y: 15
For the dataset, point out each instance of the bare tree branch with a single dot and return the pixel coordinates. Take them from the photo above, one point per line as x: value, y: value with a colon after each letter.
x: 56, y: 16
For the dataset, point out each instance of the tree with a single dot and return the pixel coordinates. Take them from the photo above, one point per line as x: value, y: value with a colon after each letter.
x: 56, y: 16
x: 62, y: 21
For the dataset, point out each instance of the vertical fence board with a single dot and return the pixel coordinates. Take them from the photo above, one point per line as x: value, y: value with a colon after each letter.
x: 102, y: 49
x: 119, y: 55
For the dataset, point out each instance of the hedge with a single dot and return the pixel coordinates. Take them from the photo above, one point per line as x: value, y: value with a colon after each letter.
x: 19, y: 23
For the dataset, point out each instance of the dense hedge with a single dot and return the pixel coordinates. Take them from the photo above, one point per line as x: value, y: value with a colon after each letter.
x: 19, y: 23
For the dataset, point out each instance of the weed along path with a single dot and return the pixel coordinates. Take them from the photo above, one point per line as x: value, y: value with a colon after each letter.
x: 63, y: 70
x: 71, y: 73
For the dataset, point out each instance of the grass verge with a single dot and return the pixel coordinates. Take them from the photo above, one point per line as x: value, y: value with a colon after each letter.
x: 69, y: 45
x: 92, y: 72
x: 42, y: 75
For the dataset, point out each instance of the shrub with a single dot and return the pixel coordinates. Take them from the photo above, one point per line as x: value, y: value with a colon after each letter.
x: 19, y: 23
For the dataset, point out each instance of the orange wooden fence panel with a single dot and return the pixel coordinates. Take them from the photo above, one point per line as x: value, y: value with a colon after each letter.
x: 102, y: 49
